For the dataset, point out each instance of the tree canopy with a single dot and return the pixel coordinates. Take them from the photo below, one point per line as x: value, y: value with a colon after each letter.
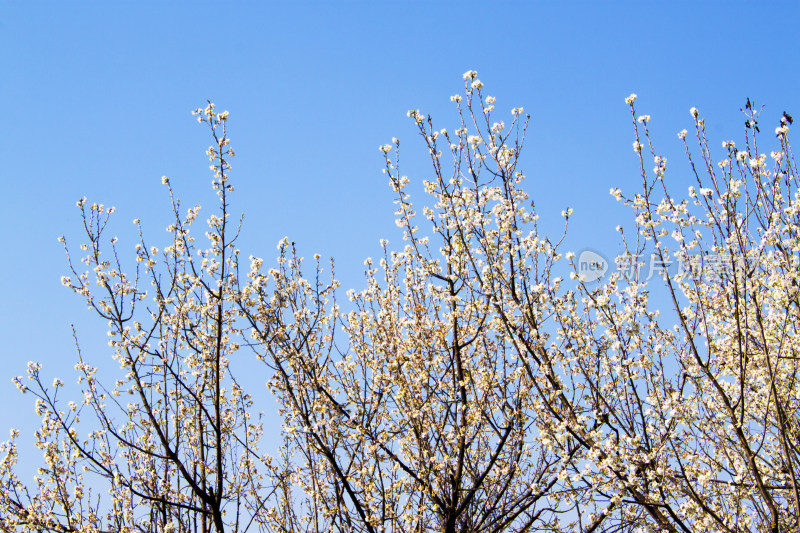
x: 468, y: 387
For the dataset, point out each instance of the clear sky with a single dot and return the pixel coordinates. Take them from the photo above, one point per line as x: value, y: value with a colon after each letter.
x: 97, y: 100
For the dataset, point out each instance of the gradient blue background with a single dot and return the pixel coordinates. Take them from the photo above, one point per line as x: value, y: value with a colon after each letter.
x: 96, y: 101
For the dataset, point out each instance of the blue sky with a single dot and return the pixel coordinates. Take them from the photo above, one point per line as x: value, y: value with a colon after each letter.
x: 97, y: 103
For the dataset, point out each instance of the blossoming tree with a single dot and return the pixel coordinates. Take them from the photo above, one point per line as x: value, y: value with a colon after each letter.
x: 468, y: 387
x: 172, y: 445
x: 425, y: 417
x: 475, y: 392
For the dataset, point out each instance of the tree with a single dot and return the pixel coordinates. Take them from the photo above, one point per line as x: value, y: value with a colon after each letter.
x: 469, y: 367
x: 425, y: 419
x: 714, y: 446
x: 172, y: 443
x: 474, y: 389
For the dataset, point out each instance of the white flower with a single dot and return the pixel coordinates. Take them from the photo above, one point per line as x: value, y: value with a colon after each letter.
x: 470, y: 74
x: 637, y: 146
x: 694, y: 112
x: 682, y: 134
x: 477, y: 84
x: 570, y: 256
x: 416, y: 115
x: 164, y: 180
x: 631, y: 99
